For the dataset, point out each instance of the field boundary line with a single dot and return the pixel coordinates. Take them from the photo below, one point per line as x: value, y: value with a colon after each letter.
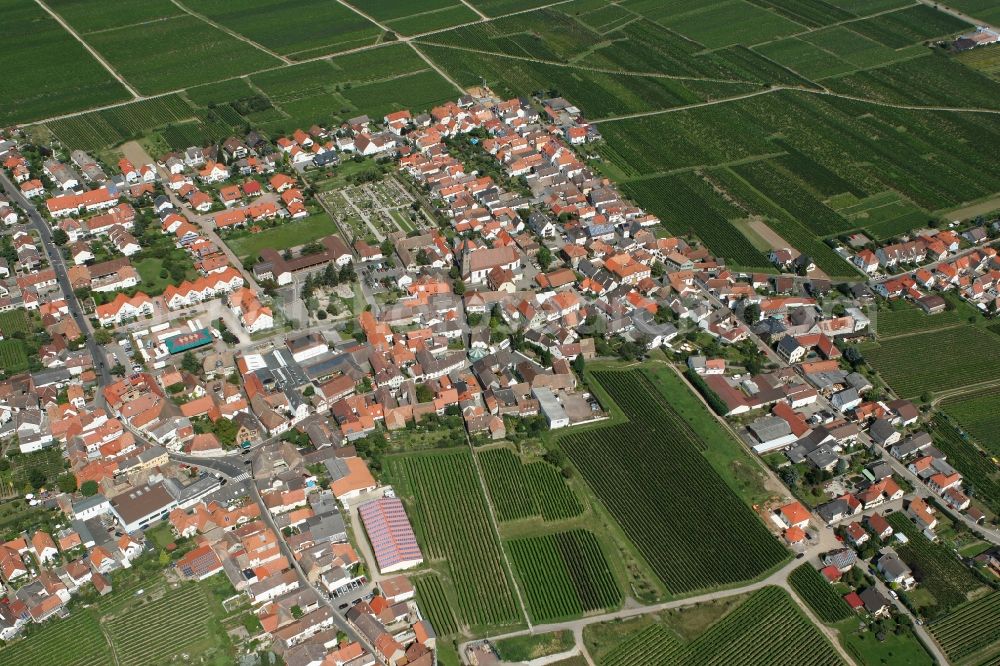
x: 573, y: 65
x: 831, y: 635
x: 91, y: 50
x: 136, y: 25
x: 496, y: 530
x: 475, y: 9
x: 231, y: 32
x: 779, y: 88
x: 443, y: 74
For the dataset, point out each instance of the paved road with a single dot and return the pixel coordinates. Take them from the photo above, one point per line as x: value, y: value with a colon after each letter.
x: 232, y: 467
x: 59, y: 266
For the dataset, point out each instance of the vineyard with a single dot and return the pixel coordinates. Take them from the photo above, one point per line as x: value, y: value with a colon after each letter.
x: 91, y: 131
x: 14, y: 321
x: 905, y: 318
x: 980, y: 472
x: 159, y: 630
x: 819, y: 595
x: 13, y: 356
x: 766, y: 629
x: 969, y: 628
x: 979, y: 415
x: 564, y: 575
x: 451, y: 519
x: 686, y: 204
x: 935, y: 567
x: 434, y: 603
x: 521, y: 490
x: 968, y: 353
x: 77, y: 640
x: 691, y: 528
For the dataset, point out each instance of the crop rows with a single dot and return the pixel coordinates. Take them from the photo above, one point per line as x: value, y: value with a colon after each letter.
x: 969, y: 628
x: 654, y: 645
x: 686, y: 204
x: 75, y: 641
x: 434, y: 603
x: 935, y: 567
x: 982, y: 476
x: 564, y: 575
x: 651, y: 476
x: 813, y: 13
x: 902, y: 362
x: 791, y: 231
x: 13, y: 357
x: 819, y: 594
x: 765, y: 630
x: 979, y: 414
x: 520, y: 491
x: 911, y: 319
x: 159, y: 629
x: 909, y: 26
x: 109, y: 127
x: 786, y: 192
x: 451, y: 517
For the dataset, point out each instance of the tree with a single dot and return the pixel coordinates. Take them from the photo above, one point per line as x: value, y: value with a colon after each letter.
x: 103, y: 336
x: 296, y: 611
x: 347, y: 273
x: 751, y: 313
x: 36, y: 478
x: 59, y: 237
x: 424, y: 393
x: 423, y: 258
x: 544, y: 258
x: 67, y: 482
x: 190, y: 363
x: 790, y: 475
x: 459, y: 287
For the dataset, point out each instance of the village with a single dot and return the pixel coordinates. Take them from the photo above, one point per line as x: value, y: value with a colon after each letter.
x: 240, y: 393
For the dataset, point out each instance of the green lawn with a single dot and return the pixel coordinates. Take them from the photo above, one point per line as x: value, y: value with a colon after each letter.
x: 868, y: 650
x: 284, y: 236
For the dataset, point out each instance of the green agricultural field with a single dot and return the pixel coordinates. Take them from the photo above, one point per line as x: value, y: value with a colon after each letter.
x: 520, y: 490
x: 563, y: 575
x: 48, y: 72
x: 182, y: 621
x: 94, y: 15
x: 980, y: 472
x: 936, y: 569
x: 902, y: 361
x: 187, y: 52
x: 279, y: 26
x: 421, y: 90
x: 768, y: 628
x: 979, y: 415
x: 819, y: 594
x: 983, y: 10
x: 13, y: 356
x: 687, y: 204
x: 904, y: 318
x: 282, y: 237
x: 969, y: 631
x: 451, y: 518
x: 390, y: 10
x: 986, y: 61
x: 435, y: 604
x: 717, y: 24
x: 433, y: 20
x: 909, y: 25
x: 14, y: 321
x: 110, y: 127
x: 651, y: 475
x: 882, y: 215
x: 77, y: 640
